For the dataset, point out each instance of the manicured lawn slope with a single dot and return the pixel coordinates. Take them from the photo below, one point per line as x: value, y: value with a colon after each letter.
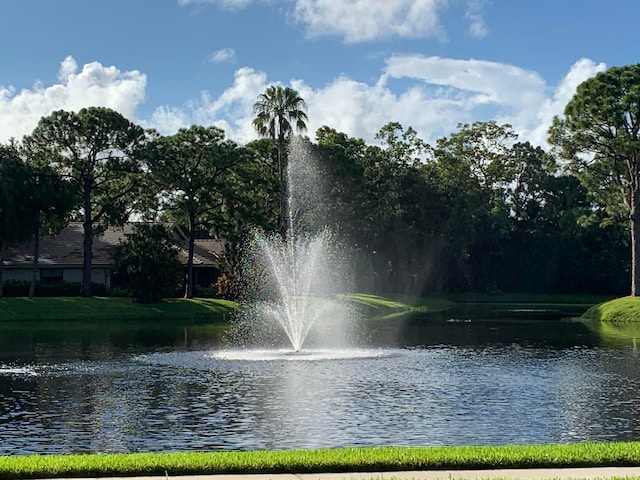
x: 619, y: 310
x: 374, y: 306
x: 390, y: 307
x: 338, y: 460
x: 98, y: 308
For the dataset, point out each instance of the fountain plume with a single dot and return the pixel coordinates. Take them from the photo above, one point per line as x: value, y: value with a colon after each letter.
x: 296, y: 282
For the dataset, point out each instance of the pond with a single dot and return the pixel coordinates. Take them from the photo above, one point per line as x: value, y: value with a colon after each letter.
x: 465, y: 380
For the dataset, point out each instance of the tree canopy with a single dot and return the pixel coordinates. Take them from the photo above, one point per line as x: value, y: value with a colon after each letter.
x: 97, y: 150
x: 278, y: 111
x: 599, y: 136
x: 478, y: 210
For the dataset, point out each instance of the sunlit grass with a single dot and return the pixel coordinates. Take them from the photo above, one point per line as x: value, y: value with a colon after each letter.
x: 396, y: 306
x: 619, y: 310
x: 382, y: 459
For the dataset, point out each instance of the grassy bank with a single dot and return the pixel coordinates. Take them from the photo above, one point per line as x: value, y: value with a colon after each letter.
x: 394, y: 306
x: 618, y: 311
x: 101, y: 308
x: 373, y: 306
x: 386, y: 459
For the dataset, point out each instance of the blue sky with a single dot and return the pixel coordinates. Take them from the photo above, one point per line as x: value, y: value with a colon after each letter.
x: 359, y: 64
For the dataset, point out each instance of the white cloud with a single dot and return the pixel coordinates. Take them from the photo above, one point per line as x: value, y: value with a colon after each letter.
x: 364, y: 20
x: 477, y: 25
x: 94, y: 85
x: 367, y: 20
x: 431, y: 94
x: 226, y: 4
x: 231, y: 111
x: 477, y: 81
x: 222, y: 55
x: 436, y: 94
x: 554, y: 105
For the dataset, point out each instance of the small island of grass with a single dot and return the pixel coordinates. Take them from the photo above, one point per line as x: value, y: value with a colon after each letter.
x: 619, y: 310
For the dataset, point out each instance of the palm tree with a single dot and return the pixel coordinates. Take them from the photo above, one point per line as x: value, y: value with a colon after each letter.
x: 276, y: 109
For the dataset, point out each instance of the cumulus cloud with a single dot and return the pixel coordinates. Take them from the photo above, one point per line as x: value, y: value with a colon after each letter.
x: 583, y: 69
x: 231, y: 111
x: 435, y: 94
x: 367, y: 20
x: 222, y: 55
x: 431, y: 94
x: 93, y: 85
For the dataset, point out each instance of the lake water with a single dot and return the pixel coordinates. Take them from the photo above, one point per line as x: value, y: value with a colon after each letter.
x: 460, y: 381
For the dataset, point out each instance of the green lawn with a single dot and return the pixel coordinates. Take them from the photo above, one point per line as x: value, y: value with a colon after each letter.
x: 99, y: 308
x: 387, y: 459
x: 379, y: 307
x: 374, y: 306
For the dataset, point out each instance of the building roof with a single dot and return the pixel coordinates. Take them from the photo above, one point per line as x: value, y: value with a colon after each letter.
x: 65, y: 249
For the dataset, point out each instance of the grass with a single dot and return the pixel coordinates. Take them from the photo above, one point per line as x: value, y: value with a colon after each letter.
x: 375, y: 306
x: 396, y: 306
x: 102, y: 308
x: 386, y: 459
x: 618, y: 311
x: 110, y: 308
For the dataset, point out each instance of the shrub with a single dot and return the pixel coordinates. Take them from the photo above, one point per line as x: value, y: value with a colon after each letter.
x: 148, y: 263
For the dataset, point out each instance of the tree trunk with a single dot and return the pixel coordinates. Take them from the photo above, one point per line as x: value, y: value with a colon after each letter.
x: 87, y: 242
x: 1, y: 270
x: 283, y: 186
x: 36, y: 257
x: 635, y: 244
x: 87, y: 247
x: 188, y: 287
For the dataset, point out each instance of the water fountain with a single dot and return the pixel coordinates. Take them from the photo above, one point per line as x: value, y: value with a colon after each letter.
x: 294, y: 285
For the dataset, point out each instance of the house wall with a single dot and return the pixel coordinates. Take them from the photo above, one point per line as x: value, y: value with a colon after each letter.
x: 99, y: 275
x: 17, y: 274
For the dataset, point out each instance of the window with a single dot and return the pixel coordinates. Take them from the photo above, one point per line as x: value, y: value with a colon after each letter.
x: 51, y: 275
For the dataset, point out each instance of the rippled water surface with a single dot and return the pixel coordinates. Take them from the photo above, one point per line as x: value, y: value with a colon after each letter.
x: 420, y: 382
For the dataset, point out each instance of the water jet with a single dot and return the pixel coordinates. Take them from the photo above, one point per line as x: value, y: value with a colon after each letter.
x: 295, y: 281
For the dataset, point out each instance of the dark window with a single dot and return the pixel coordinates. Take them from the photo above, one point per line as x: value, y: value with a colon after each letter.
x: 51, y: 275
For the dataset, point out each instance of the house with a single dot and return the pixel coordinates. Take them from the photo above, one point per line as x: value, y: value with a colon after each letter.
x: 60, y: 257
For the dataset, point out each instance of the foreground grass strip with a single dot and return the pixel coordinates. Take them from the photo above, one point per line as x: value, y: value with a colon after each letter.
x: 386, y: 459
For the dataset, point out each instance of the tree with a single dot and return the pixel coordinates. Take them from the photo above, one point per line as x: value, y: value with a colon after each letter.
x: 473, y: 170
x: 276, y: 109
x: 386, y: 206
x: 191, y: 170
x: 148, y: 263
x: 16, y: 215
x: 599, y: 136
x: 251, y: 201
x: 51, y: 198
x: 97, y: 150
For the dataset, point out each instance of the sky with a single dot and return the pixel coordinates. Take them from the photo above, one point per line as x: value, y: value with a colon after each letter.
x: 359, y: 64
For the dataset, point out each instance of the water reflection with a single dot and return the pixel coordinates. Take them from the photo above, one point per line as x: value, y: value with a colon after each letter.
x: 155, y: 388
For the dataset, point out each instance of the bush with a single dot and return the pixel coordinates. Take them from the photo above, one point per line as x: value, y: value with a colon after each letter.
x: 148, y: 263
x: 227, y: 286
